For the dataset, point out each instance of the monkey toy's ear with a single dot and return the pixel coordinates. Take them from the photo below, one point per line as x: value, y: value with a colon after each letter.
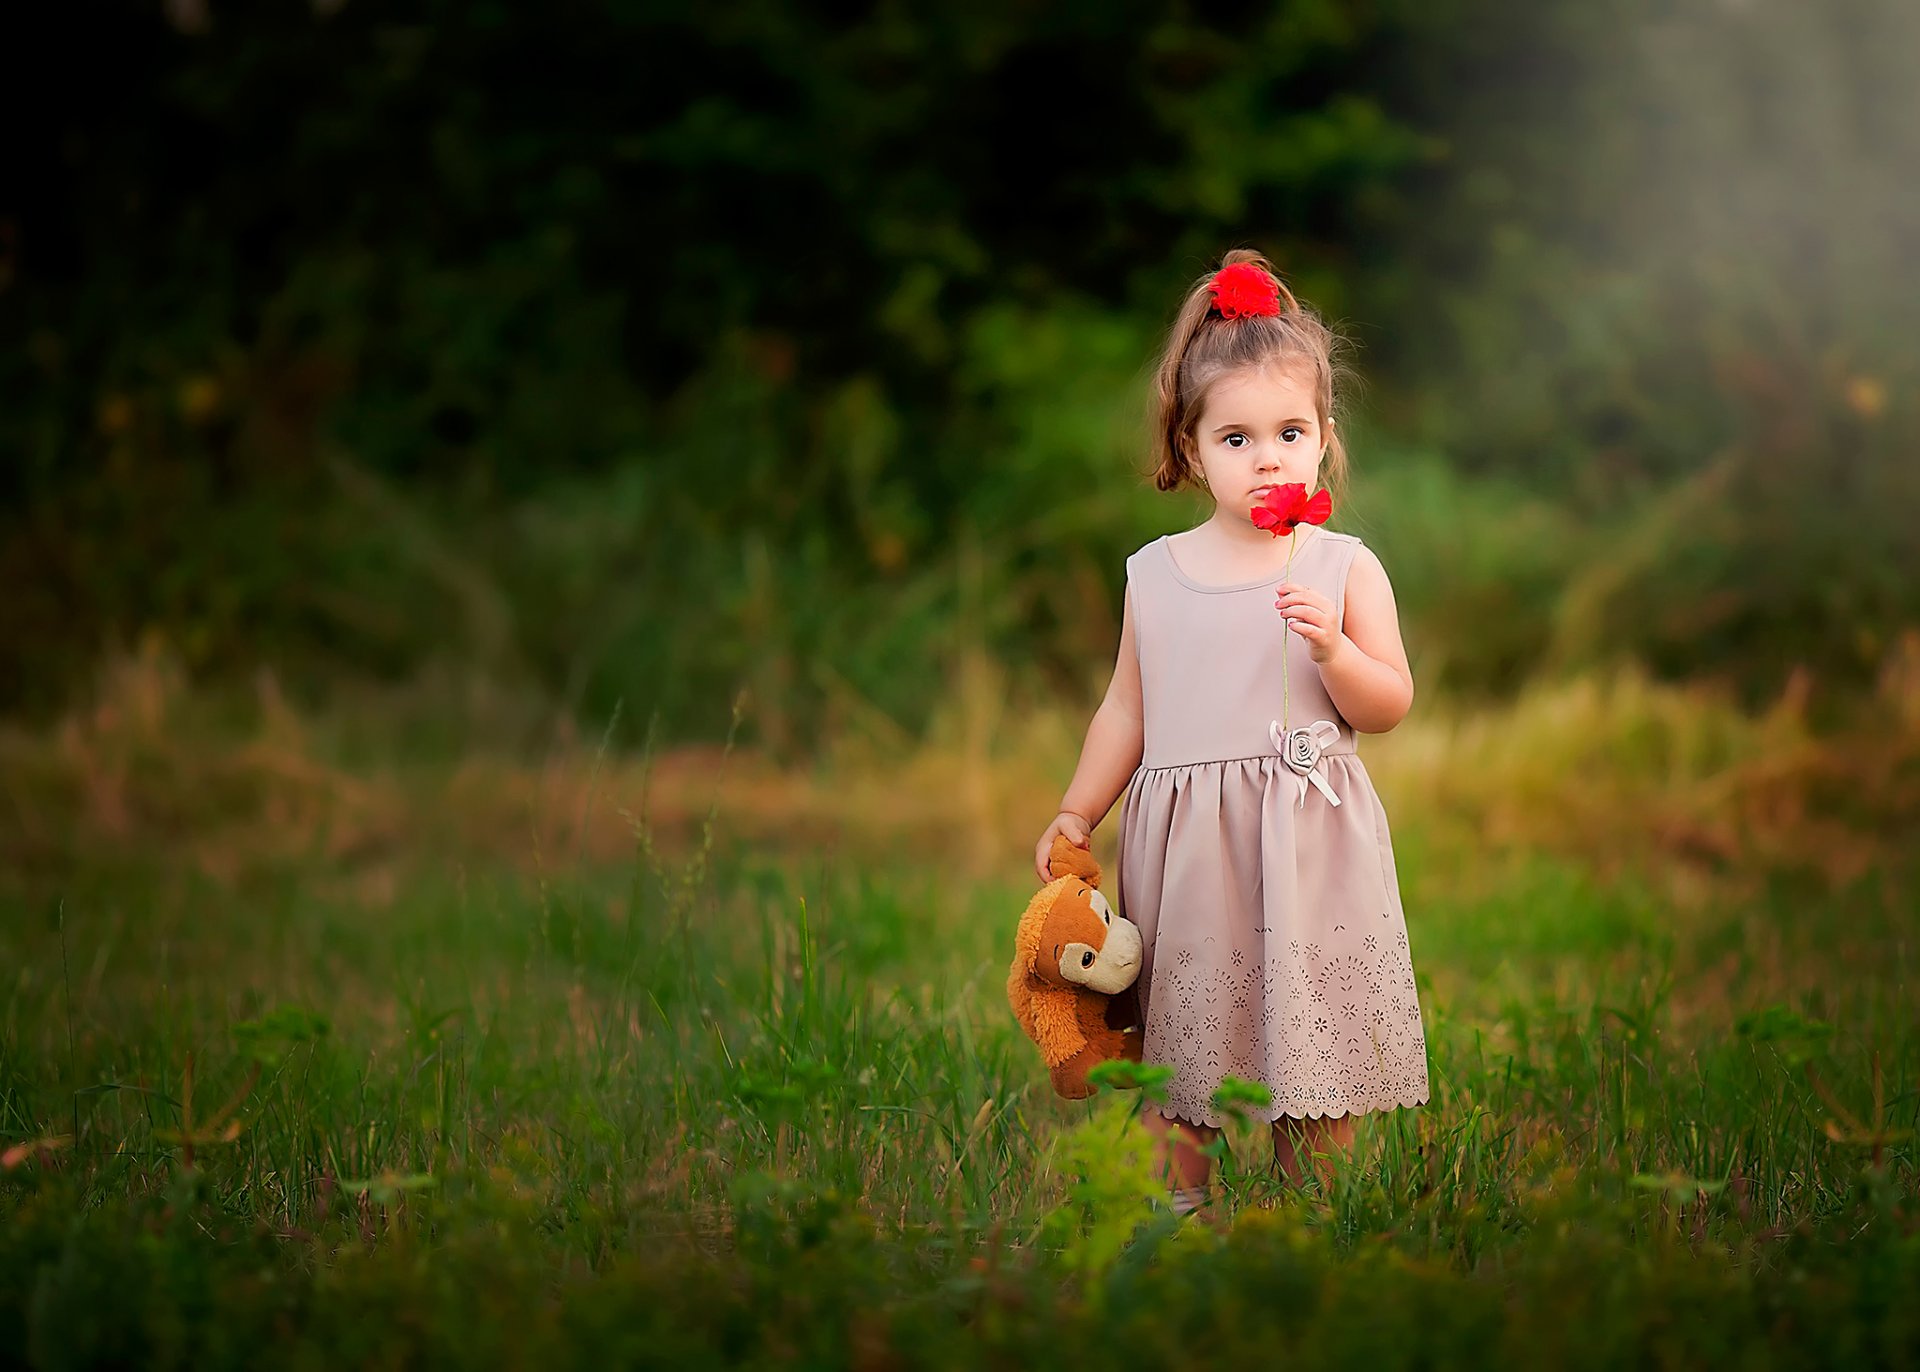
x: 1069, y: 859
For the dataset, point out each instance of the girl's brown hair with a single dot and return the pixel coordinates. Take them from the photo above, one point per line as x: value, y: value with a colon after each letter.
x: 1203, y: 347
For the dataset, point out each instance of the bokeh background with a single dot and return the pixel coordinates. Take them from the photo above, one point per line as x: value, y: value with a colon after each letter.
x: 616, y: 353
x: 497, y: 499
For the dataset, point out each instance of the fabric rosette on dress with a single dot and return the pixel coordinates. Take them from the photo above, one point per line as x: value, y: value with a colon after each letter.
x: 1302, y: 750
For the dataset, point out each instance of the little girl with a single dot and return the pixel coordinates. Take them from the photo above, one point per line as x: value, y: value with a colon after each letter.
x: 1263, y: 885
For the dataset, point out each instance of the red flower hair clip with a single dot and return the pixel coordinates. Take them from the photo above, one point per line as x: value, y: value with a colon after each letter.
x: 1242, y: 290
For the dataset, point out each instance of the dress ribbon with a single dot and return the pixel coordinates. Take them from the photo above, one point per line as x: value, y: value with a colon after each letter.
x: 1303, y: 748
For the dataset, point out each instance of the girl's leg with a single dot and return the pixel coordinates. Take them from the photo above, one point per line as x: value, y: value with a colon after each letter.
x: 1177, y: 1159
x: 1295, y: 1142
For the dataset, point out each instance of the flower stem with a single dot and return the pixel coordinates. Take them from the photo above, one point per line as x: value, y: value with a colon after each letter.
x: 1286, y: 656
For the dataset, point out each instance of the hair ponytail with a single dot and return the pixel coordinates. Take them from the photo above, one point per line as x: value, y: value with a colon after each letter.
x: 1171, y: 467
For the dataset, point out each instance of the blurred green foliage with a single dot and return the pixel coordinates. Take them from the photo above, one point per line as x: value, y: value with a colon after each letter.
x: 623, y: 352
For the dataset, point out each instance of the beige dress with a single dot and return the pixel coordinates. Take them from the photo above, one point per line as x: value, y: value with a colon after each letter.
x: 1275, y: 948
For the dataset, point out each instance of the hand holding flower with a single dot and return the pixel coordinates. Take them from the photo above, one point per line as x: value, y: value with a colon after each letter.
x: 1311, y: 615
x: 1308, y: 613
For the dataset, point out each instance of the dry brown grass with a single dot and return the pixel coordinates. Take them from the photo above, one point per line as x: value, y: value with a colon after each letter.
x: 1618, y: 772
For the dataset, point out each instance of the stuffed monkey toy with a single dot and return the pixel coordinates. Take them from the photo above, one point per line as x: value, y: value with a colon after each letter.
x: 1072, y: 957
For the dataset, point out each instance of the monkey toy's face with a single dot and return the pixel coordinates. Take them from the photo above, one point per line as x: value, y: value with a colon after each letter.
x: 1083, y: 943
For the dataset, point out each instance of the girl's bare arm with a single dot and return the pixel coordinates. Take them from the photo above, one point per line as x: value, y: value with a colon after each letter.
x: 1115, y: 739
x: 1366, y: 673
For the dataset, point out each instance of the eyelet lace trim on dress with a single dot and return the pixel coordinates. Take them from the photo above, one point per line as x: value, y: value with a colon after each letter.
x: 1345, y: 1030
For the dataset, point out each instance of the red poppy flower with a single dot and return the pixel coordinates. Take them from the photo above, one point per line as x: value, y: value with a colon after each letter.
x: 1243, y: 289
x: 1285, y: 507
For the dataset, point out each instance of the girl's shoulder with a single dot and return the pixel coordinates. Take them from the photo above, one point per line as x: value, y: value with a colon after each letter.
x: 1138, y: 557
x: 1339, y: 554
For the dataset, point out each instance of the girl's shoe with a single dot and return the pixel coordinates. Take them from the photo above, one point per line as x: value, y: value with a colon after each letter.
x: 1195, y: 1201
x: 1187, y: 1199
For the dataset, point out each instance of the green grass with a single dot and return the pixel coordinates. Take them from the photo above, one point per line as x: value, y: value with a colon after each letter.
x: 532, y: 1097
x: 740, y: 1105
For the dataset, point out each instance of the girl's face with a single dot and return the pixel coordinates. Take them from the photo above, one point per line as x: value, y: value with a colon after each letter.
x: 1258, y: 430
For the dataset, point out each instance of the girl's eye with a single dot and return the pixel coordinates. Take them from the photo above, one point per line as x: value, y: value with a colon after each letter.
x: 1294, y: 429
x: 1236, y: 440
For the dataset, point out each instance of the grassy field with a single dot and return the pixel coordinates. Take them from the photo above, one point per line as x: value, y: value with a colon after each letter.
x: 315, y: 1052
